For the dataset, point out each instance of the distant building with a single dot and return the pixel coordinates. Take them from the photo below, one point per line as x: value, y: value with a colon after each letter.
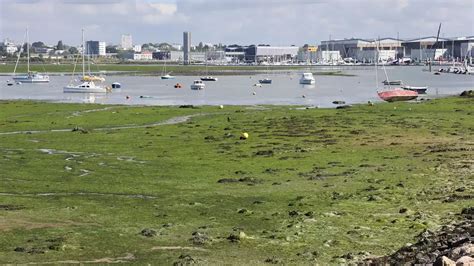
x: 186, y: 47
x: 137, y: 48
x: 162, y: 55
x: 270, y: 54
x: 365, y: 50
x: 422, y: 49
x: 143, y: 56
x: 308, y: 54
x: 127, y: 42
x: 9, y: 47
x: 95, y: 48
x: 235, y: 53
x: 176, y: 46
x: 42, y: 50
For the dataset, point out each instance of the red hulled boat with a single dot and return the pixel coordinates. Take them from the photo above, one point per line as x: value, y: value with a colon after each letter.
x: 397, y: 94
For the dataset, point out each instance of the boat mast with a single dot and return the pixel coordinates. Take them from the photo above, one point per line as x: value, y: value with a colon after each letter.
x: 375, y: 64
x: 83, y: 52
x: 28, y: 48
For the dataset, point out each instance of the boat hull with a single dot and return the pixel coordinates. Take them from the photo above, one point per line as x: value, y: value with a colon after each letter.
x: 419, y: 90
x: 84, y: 89
x: 265, y: 81
x: 165, y: 77
x: 208, y: 79
x: 393, y: 82
x: 197, y: 87
x: 397, y: 95
x: 30, y: 79
x: 307, y: 81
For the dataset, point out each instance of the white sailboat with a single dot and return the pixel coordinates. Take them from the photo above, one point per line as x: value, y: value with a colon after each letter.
x: 86, y: 86
x: 30, y: 77
x: 207, y: 77
x: 165, y: 75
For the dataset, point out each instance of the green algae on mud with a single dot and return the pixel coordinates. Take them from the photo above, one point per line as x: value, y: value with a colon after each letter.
x: 307, y: 186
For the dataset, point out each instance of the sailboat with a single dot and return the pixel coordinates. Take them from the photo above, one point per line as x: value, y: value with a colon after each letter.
x: 30, y: 77
x: 266, y: 80
x: 89, y: 76
x: 207, y: 77
x: 167, y: 75
x: 86, y: 86
x: 392, y: 94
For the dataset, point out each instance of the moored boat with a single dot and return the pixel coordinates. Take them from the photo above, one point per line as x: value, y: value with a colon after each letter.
x: 419, y: 90
x: 167, y: 76
x: 209, y: 78
x: 307, y: 78
x: 85, y: 87
x: 392, y: 82
x: 265, y: 81
x: 30, y: 77
x: 92, y: 78
x: 198, y: 85
x: 397, y: 94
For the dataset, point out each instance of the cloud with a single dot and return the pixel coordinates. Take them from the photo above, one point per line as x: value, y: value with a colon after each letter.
x: 233, y: 21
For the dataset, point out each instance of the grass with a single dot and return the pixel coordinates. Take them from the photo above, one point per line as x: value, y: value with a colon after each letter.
x: 158, y: 69
x: 308, y: 186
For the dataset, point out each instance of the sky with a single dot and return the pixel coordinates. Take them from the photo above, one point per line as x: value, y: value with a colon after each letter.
x: 275, y: 22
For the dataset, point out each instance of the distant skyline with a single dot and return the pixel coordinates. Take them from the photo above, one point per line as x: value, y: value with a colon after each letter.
x: 275, y: 22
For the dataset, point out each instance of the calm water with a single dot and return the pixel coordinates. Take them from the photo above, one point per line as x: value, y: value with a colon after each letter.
x: 238, y: 90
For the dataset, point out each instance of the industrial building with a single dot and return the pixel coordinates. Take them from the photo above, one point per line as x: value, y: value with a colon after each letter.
x: 261, y: 53
x: 421, y: 49
x: 427, y: 48
x: 308, y: 54
x: 364, y: 50
x: 270, y: 54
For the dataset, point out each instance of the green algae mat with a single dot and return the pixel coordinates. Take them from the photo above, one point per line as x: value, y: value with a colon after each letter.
x: 87, y: 183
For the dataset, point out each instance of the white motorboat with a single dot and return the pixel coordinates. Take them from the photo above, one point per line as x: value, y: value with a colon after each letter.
x: 307, y: 78
x: 30, y: 77
x: 198, y: 85
x: 87, y: 86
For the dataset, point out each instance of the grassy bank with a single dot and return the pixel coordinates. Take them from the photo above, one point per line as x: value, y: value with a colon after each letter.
x: 158, y: 69
x: 307, y: 186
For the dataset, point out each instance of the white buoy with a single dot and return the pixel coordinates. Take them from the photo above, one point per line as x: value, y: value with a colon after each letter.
x: 221, y: 106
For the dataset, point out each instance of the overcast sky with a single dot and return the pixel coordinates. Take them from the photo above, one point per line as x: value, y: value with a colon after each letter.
x: 276, y: 22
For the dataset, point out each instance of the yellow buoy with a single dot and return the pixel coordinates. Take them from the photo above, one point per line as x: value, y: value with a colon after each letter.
x: 244, y: 135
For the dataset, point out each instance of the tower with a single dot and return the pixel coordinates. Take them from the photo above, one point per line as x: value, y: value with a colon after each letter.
x: 186, y: 46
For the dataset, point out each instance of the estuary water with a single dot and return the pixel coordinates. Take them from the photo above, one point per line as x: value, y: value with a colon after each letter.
x: 239, y: 89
